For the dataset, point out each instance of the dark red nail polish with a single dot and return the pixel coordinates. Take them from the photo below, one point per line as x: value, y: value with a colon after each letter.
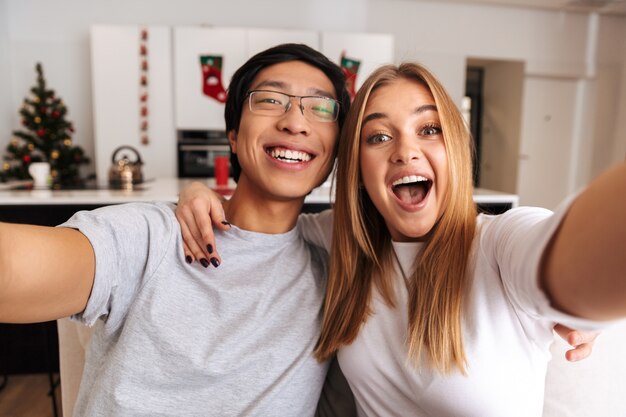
x: 209, y: 248
x: 188, y: 259
x: 204, y: 262
x: 225, y: 223
x: 215, y: 262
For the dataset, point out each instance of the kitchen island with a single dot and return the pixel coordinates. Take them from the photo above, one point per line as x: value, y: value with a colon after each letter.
x: 167, y: 189
x: 34, y: 348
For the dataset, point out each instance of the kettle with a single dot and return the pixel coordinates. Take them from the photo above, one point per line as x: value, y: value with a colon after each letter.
x: 124, y: 173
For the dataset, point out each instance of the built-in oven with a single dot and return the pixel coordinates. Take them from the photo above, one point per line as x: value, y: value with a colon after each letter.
x: 198, y: 150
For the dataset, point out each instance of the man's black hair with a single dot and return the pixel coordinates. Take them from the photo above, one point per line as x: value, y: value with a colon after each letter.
x: 243, y: 77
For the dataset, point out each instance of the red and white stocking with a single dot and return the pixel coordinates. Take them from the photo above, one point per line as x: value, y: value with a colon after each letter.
x: 212, y: 77
x: 350, y: 68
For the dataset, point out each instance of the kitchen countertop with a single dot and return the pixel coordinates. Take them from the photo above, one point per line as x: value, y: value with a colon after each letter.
x: 167, y: 189
x: 484, y: 196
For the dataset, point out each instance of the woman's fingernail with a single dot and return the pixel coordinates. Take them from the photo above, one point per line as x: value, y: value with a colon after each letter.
x: 225, y: 223
x: 215, y: 262
x: 209, y: 248
x: 204, y: 262
x: 188, y: 259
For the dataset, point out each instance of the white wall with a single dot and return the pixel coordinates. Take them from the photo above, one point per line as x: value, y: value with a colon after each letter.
x: 116, y: 91
x: 441, y: 35
x: 5, y: 80
x: 611, y: 131
x: 618, y: 150
x: 549, y: 42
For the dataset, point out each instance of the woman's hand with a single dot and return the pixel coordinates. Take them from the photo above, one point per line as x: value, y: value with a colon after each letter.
x: 582, y: 342
x: 198, y: 210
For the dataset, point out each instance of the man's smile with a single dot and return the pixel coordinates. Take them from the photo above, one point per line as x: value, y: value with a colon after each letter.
x: 287, y: 155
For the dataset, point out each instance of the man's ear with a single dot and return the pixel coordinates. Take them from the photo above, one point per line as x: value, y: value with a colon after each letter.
x: 232, y: 140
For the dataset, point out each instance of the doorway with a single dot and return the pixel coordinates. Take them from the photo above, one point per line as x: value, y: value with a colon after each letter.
x: 472, y: 108
x: 494, y: 90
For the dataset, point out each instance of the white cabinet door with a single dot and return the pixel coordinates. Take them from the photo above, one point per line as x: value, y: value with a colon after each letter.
x: 548, y: 120
x: 366, y: 51
x: 115, y: 72
x: 261, y: 39
x: 204, y: 61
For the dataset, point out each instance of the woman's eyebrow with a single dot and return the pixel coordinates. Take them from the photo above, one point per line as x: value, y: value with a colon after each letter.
x: 373, y: 116
x: 425, y: 108
x: 418, y: 110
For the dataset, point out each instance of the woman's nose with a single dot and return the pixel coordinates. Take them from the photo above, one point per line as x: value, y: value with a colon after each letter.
x: 405, y: 150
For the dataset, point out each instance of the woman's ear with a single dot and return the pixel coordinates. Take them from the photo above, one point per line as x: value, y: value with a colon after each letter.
x: 232, y: 140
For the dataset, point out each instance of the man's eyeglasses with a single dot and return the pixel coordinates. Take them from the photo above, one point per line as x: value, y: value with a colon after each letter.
x: 274, y: 103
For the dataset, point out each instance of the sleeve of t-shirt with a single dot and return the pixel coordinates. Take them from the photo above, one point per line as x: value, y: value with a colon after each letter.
x: 317, y: 228
x: 129, y: 242
x: 516, y: 241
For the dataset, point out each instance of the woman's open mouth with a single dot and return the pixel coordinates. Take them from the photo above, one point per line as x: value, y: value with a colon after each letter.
x: 411, y: 189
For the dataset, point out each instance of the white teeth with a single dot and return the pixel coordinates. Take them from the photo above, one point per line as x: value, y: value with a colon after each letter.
x: 409, y: 179
x: 290, y: 156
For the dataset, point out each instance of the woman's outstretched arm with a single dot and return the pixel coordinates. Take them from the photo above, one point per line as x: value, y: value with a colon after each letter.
x: 584, y: 267
x: 45, y: 272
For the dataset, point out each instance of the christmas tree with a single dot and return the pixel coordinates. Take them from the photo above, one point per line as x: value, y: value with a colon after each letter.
x: 47, y: 138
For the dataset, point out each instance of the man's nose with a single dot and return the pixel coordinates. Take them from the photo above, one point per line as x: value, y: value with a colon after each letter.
x: 294, y: 120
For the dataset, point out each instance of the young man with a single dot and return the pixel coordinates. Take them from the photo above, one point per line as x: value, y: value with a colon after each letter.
x: 169, y: 340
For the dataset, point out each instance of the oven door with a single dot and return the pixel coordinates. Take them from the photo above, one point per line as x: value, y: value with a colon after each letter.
x: 197, y: 160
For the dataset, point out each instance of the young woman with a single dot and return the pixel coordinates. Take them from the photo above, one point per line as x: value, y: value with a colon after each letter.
x: 432, y: 309
x: 437, y: 311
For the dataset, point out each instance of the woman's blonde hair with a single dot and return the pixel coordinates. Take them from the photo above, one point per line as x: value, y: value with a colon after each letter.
x: 362, y: 255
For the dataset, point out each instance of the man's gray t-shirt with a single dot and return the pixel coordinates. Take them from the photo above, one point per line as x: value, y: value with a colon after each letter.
x: 174, y: 339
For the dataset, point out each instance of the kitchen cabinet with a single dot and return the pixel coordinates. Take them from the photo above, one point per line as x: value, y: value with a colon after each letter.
x: 116, y: 77
x: 362, y: 53
x: 225, y: 51
x: 198, y: 103
x: 261, y: 39
x: 186, y: 70
x: 546, y: 161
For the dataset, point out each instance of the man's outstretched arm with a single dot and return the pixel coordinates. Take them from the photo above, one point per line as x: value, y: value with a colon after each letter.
x: 45, y: 272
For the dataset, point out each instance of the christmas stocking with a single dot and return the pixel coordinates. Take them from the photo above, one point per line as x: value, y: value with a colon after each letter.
x: 350, y: 69
x: 212, y: 77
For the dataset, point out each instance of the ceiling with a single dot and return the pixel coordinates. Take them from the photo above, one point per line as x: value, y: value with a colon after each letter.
x: 610, y: 7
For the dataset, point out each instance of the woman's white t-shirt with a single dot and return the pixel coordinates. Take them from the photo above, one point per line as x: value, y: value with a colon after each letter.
x: 507, y: 329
